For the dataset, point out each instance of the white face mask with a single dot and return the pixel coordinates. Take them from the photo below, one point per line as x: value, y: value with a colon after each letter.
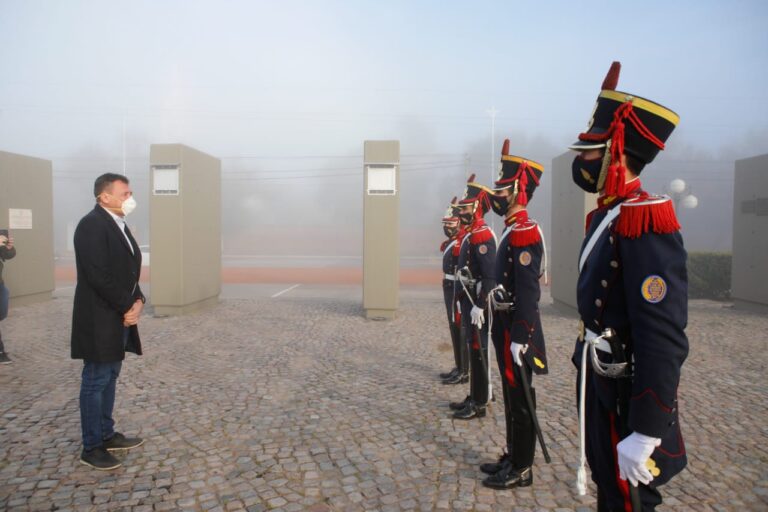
x: 129, y: 205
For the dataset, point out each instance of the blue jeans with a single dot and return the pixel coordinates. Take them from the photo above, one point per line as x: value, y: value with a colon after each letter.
x: 5, y: 297
x: 97, y: 400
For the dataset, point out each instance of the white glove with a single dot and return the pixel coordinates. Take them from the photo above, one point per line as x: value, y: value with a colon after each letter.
x: 517, y: 352
x: 634, y: 451
x: 478, y: 318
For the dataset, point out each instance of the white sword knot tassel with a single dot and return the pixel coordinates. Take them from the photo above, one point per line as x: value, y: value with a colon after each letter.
x: 592, y: 343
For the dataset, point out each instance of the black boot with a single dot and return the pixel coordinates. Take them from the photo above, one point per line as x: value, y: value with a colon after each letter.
x: 491, y: 468
x: 471, y: 410
x: 448, y: 375
x: 459, y: 378
x: 457, y: 406
x: 509, y: 478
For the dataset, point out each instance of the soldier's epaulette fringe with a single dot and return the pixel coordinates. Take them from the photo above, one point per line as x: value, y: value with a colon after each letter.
x: 647, y: 214
x: 525, y: 234
x: 481, y: 236
x: 444, y: 245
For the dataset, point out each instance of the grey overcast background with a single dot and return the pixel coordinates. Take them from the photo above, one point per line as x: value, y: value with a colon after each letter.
x: 285, y: 93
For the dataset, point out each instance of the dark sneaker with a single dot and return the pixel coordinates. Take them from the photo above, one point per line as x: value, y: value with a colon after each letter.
x: 4, y: 359
x: 509, y: 478
x: 99, y: 458
x: 491, y: 468
x: 120, y: 442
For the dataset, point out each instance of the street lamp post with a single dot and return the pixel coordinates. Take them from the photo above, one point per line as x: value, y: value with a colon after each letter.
x: 492, y: 112
x: 681, y: 195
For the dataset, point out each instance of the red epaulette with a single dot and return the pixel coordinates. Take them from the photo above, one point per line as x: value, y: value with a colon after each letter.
x: 444, y: 245
x: 645, y: 214
x: 524, y: 233
x: 481, y: 236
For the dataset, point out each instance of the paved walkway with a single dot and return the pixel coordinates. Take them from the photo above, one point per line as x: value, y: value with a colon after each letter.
x: 298, y: 403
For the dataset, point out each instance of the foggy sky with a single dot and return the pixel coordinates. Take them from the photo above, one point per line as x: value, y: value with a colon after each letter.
x: 285, y: 93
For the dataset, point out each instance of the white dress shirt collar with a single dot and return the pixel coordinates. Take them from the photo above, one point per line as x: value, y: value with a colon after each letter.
x: 121, y: 224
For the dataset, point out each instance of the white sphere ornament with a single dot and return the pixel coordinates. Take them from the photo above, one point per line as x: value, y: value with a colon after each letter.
x: 677, y: 185
x: 690, y: 202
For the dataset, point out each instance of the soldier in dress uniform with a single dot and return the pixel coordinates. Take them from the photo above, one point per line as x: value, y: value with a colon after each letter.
x: 633, y: 300
x: 475, y: 271
x: 516, y: 332
x: 450, y: 249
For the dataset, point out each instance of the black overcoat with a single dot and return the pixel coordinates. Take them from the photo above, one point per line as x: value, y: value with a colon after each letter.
x: 107, y: 287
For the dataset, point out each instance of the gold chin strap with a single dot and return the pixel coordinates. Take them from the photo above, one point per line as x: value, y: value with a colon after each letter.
x: 604, y: 168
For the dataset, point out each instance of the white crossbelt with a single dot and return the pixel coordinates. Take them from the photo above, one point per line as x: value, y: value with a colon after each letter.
x: 449, y: 277
x: 610, y: 216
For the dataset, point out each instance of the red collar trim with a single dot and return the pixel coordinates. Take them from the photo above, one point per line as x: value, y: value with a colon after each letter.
x: 518, y: 217
x: 631, y: 187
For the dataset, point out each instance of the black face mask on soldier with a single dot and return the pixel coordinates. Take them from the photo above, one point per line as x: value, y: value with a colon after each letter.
x: 466, y: 218
x: 500, y: 205
x: 449, y: 231
x: 585, y: 173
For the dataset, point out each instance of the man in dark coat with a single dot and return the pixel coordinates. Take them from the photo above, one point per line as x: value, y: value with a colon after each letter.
x: 7, y: 251
x: 108, y: 302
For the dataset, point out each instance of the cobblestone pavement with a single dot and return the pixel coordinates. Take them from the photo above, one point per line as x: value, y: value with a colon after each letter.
x: 299, y: 403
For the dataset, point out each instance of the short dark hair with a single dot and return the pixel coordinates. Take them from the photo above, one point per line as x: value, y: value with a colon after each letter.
x: 105, y: 180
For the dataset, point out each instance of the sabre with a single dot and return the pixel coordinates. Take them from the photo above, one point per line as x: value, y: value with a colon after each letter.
x: 460, y: 274
x: 617, y: 370
x: 534, y: 418
x: 503, y: 302
x: 622, y: 409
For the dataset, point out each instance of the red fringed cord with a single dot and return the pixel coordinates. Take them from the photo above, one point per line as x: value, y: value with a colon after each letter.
x: 483, y: 205
x: 523, y: 173
x: 522, y: 177
x: 616, y: 177
x: 634, y: 221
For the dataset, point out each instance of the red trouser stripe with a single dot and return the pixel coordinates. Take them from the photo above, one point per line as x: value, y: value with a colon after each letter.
x: 475, y: 341
x: 623, y: 485
x: 508, y: 370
